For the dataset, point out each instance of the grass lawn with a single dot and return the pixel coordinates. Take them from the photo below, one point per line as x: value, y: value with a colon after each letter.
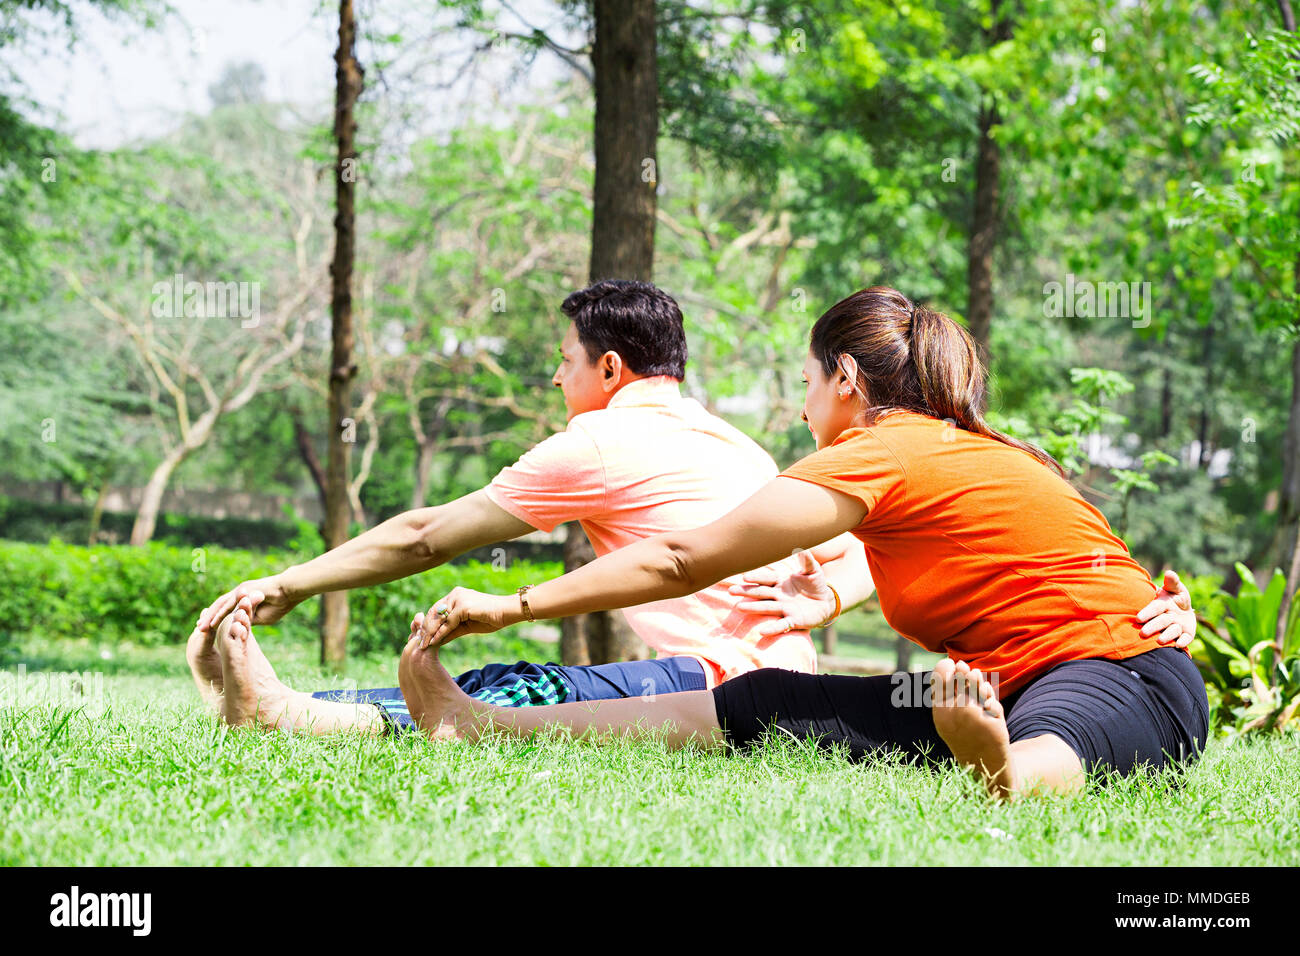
x: 142, y: 775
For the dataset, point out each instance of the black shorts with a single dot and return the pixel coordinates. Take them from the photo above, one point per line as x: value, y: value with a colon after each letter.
x: 1116, y: 715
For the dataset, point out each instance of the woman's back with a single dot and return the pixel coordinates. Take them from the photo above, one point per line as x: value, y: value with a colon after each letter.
x: 978, y: 550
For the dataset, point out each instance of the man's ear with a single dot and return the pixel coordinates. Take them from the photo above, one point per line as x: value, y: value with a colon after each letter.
x: 611, y: 370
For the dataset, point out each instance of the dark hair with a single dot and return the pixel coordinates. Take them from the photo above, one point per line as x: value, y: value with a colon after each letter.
x: 640, y: 322
x: 909, y: 357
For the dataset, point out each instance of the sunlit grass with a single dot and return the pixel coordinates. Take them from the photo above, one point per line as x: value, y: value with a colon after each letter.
x: 144, y: 776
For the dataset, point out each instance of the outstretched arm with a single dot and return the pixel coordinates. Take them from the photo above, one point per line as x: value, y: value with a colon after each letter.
x: 783, y: 515
x: 403, y: 545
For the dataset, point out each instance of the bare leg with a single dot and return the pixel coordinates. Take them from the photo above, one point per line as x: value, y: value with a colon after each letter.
x: 254, y: 695
x: 443, y: 711
x: 970, y: 720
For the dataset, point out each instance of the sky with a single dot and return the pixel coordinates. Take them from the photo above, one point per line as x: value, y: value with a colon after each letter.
x: 121, y: 82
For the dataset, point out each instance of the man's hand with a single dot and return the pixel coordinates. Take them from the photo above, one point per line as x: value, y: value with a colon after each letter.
x: 1170, y: 618
x: 270, y: 603
x: 800, y: 600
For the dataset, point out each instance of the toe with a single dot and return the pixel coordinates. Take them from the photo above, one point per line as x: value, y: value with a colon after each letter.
x: 941, y: 682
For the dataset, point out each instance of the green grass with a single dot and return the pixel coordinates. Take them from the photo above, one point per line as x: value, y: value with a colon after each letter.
x: 144, y: 776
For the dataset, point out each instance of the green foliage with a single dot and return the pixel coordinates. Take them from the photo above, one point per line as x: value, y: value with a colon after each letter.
x: 1253, y: 199
x: 153, y: 595
x: 1252, y: 674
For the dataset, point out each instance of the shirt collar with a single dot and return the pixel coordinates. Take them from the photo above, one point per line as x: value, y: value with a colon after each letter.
x: 656, y: 390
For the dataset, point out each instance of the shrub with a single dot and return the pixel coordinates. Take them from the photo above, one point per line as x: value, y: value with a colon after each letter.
x: 1252, y: 675
x: 153, y: 594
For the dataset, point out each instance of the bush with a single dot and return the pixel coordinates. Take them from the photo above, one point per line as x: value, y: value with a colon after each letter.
x: 1252, y: 675
x: 38, y: 522
x: 153, y: 595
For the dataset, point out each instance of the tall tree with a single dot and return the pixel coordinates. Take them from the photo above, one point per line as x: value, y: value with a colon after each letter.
x: 338, y: 509
x: 622, y: 239
x: 984, y: 214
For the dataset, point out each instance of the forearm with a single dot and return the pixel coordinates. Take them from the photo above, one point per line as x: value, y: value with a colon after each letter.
x: 648, y: 570
x: 394, y: 549
x: 783, y: 515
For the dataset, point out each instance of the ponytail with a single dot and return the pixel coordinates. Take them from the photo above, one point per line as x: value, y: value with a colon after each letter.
x: 913, y: 358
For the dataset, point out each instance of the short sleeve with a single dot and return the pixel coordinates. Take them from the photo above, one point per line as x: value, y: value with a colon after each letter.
x: 859, y: 465
x: 562, y: 479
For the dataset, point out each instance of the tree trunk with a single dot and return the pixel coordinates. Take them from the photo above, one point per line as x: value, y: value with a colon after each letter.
x: 626, y: 136
x: 146, y: 518
x: 830, y: 640
x: 623, y: 60
x: 427, y: 440
x: 423, y: 469
x: 1289, y: 506
x: 307, y: 451
x: 903, y: 654
x: 97, y: 511
x: 983, y: 234
x: 334, y: 605
x: 595, y: 638
x: 984, y: 212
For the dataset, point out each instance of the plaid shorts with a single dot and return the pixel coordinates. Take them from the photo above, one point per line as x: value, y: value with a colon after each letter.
x: 532, y: 685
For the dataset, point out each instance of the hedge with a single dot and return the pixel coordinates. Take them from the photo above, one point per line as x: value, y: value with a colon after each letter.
x: 152, y: 595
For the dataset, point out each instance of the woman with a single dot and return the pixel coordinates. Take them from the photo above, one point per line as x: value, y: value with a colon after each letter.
x: 978, y: 547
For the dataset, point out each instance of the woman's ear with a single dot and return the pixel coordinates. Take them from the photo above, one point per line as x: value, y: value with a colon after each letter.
x: 846, y: 380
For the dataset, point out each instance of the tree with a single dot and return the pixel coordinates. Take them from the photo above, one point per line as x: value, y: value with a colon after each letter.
x: 348, y: 79
x: 30, y: 153
x: 1259, y: 100
x: 622, y: 241
x: 157, y: 251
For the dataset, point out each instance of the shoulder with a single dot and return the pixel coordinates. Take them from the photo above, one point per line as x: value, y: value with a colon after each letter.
x: 574, y: 447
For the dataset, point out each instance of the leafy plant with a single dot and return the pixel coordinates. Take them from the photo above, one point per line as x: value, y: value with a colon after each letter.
x: 1252, y: 675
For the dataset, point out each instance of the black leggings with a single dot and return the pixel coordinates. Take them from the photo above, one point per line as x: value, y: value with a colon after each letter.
x: 1116, y: 715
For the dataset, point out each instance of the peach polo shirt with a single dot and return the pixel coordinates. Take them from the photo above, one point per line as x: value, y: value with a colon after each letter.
x: 648, y: 463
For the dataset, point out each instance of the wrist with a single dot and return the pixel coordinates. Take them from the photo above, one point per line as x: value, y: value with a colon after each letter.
x: 291, y: 586
x: 512, y: 611
x: 838, y: 606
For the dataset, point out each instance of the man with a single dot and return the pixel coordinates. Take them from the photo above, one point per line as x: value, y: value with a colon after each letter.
x: 636, y: 460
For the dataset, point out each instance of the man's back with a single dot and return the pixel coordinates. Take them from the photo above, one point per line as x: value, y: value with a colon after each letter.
x: 649, y: 463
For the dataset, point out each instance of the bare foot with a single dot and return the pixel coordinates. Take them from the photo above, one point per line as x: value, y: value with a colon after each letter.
x: 205, y: 664
x: 970, y: 720
x: 253, y: 694
x: 435, y: 702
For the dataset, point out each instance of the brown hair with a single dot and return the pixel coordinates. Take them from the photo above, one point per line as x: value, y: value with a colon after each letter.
x: 909, y: 358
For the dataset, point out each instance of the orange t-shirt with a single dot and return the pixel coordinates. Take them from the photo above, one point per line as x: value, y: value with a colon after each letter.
x: 981, y: 552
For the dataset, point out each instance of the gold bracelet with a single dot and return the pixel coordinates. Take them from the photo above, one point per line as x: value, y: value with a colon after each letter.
x: 838, y: 606
x: 528, y: 612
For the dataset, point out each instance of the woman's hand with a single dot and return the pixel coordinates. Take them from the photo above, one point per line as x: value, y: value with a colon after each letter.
x: 467, y: 612
x: 798, y: 601
x: 1170, y: 618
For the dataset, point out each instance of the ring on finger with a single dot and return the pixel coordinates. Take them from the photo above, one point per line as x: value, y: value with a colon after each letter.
x: 442, y: 612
